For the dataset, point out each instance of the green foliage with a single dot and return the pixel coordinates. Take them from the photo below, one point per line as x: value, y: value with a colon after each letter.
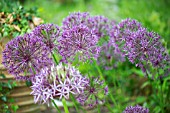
x: 7, y: 105
x: 154, y: 14
x: 15, y: 19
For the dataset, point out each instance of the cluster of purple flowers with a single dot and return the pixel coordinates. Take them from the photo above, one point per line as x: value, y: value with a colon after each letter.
x: 78, y: 41
x: 57, y: 81
x: 136, y: 109
x: 142, y: 47
x: 81, y: 33
x: 28, y: 57
x: 25, y: 54
x: 94, y: 93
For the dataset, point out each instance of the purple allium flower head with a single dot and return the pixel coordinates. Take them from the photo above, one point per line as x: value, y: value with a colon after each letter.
x: 94, y: 93
x: 142, y: 47
x: 136, y: 109
x: 57, y: 82
x: 75, y: 19
x: 49, y: 34
x: 109, y: 56
x: 25, y: 54
x: 79, y: 41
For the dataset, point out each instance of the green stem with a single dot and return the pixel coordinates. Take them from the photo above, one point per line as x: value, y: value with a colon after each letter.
x: 65, y: 105
x: 75, y: 103
x: 54, y: 58
x: 162, y: 98
x: 108, y: 106
x: 59, y: 111
x: 98, y: 108
x: 101, y: 75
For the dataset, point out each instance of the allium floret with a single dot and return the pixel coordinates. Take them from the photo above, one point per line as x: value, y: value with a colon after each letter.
x: 25, y: 54
x: 94, y: 93
x: 136, y: 109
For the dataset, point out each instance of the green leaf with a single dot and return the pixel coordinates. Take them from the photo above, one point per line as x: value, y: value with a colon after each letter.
x: 9, y: 85
x: 11, y: 100
x: 2, y: 75
x: 8, y: 111
x: 4, y: 98
x: 145, y: 84
x: 5, y: 34
x: 140, y: 99
x: 14, y: 107
x: 28, y: 83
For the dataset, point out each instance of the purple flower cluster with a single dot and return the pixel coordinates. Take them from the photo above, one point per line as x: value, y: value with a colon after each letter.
x: 25, y: 54
x: 99, y: 24
x: 57, y: 82
x: 78, y: 41
x: 136, y: 109
x: 142, y: 47
x: 28, y: 57
x: 94, y: 93
x: 49, y: 34
x: 80, y: 36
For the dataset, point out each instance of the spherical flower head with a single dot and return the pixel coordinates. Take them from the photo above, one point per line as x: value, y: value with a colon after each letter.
x: 69, y: 80
x: 143, y: 48
x: 57, y: 82
x: 78, y: 42
x: 94, y: 93
x: 75, y: 19
x: 109, y: 56
x: 25, y: 54
x: 136, y: 109
x: 49, y: 34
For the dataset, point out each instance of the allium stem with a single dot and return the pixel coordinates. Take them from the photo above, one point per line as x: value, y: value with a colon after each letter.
x: 33, y: 69
x: 59, y: 111
x: 55, y: 59
x: 98, y: 108
x: 101, y: 75
x: 65, y: 105
x: 75, y: 103
x: 109, y: 107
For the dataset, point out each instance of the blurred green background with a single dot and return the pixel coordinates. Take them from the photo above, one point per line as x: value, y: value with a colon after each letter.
x: 153, y: 14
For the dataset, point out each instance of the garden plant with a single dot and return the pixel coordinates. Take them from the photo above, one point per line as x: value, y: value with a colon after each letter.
x: 53, y: 58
